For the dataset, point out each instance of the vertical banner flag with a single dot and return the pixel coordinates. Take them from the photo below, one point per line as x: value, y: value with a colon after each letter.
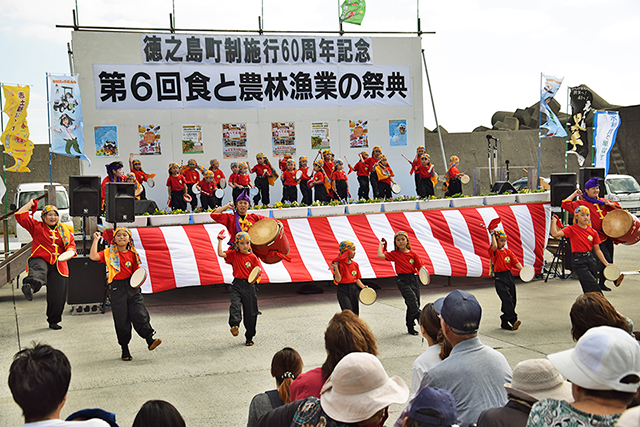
x: 605, y: 128
x: 283, y: 136
x: 550, y: 86
x: 106, y: 140
x: 65, y: 111
x: 320, y: 136
x: 15, y: 137
x: 352, y: 11
x: 581, y: 99
x: 192, y: 139
x: 398, y: 133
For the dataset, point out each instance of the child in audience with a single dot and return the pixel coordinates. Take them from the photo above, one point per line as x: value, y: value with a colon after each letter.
x: 158, y: 413
x: 439, y: 346
x: 346, y: 274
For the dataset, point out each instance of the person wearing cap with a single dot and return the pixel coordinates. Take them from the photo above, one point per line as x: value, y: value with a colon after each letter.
x: 533, y: 380
x: 415, y: 164
x: 385, y: 177
x: 474, y: 373
x: 207, y: 187
x: 346, y: 275
x: 372, y: 162
x: 317, y: 182
x: 339, y: 181
x: 176, y: 188
x: 362, y: 172
x: 217, y: 176
x: 289, y: 183
x: 598, y: 208
x: 426, y: 176
x: 503, y: 261
x: 358, y: 393
x: 114, y: 174
x: 239, y: 220
x: 453, y: 185
x: 263, y: 171
x: 432, y: 407
x: 135, y: 166
x: 604, y: 371
x: 191, y: 178
x: 305, y: 190
x: 51, y: 238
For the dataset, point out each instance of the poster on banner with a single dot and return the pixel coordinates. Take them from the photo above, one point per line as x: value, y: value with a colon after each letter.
x: 234, y: 140
x: 15, y: 136
x: 106, y: 141
x: 149, y: 139
x: 398, y: 133
x: 192, y: 139
x: 320, y: 136
x: 605, y: 129
x: 359, y: 133
x: 283, y: 136
x: 65, y: 112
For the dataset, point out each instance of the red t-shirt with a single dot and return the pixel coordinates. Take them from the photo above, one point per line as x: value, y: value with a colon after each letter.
x: 349, y: 272
x: 417, y: 162
x: 425, y: 171
x: 406, y: 262
x: 370, y: 162
x: 453, y: 172
x: 243, y: 179
x: 362, y: 169
x: 259, y: 170
x: 305, y: 173
x: 191, y: 176
x: 502, y: 259
x: 176, y: 182
x: 140, y: 176
x: 242, y: 263
x: 307, y: 384
x: 128, y: 264
x: 229, y: 221
x: 283, y: 164
x: 582, y: 239
x: 289, y: 178
x: 232, y: 177
x: 598, y: 212
x: 207, y: 188
x: 328, y: 168
x: 339, y: 176
x: 318, y: 178
x: 217, y: 176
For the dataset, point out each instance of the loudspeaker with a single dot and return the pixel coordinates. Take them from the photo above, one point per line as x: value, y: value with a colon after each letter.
x: 87, y: 281
x: 585, y: 174
x: 84, y: 195
x: 503, y: 187
x: 562, y: 185
x: 120, y: 202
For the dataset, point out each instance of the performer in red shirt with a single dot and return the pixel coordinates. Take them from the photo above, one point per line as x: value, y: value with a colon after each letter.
x: 327, y: 168
x: 243, y: 180
x: 426, y: 175
x: 217, y: 176
x: 407, y: 264
x: 372, y: 162
x: 263, y: 172
x: 114, y: 174
x: 135, y: 166
x: 127, y: 304
x: 598, y: 208
x: 51, y: 238
x: 362, y: 172
x: 415, y: 164
x: 283, y: 161
x: 317, y: 182
x: 191, y: 178
x: 503, y: 261
x: 176, y: 188
x: 453, y: 185
x: 584, y: 242
x: 207, y: 188
x: 385, y: 178
x: 239, y: 220
x: 340, y: 181
x: 289, y: 183
x: 346, y: 274
x: 232, y: 180
x: 242, y: 293
x: 307, y: 197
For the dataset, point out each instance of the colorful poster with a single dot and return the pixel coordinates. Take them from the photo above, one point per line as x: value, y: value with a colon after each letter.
x: 398, y: 133
x: 320, y: 136
x: 106, y: 140
x: 192, y: 139
x: 359, y: 133
x: 605, y: 129
x: 283, y: 136
x: 149, y: 139
x: 16, y: 134
x: 65, y: 111
x: 234, y: 140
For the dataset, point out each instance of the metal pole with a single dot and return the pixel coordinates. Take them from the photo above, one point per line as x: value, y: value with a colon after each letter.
x: 262, y: 13
x: 539, y: 135
x: 489, y: 156
x: 569, y: 114
x: 49, y: 128
x: 77, y: 15
x: 173, y: 3
x: 5, y: 223
x: 444, y: 158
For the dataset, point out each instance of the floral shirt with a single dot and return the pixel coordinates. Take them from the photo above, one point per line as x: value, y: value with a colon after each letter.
x: 552, y: 413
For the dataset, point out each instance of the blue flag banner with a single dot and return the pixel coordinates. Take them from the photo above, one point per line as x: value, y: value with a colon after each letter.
x: 65, y: 111
x: 605, y: 129
x: 552, y: 127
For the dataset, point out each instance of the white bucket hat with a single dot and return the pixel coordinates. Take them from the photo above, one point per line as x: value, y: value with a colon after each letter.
x: 537, y: 379
x: 602, y: 358
x: 359, y: 387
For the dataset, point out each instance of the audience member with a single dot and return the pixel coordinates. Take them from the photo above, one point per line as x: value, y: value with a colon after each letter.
x: 604, y: 370
x: 432, y: 407
x: 533, y: 380
x: 630, y: 418
x: 358, y: 393
x: 346, y: 333
x: 593, y: 309
x: 439, y: 347
x: 158, y: 413
x: 286, y: 365
x: 39, y: 379
x: 89, y: 413
x: 474, y: 373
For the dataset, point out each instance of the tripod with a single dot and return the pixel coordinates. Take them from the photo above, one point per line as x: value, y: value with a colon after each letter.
x: 557, y: 264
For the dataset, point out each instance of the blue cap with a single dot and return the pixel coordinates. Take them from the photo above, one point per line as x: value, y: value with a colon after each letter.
x: 461, y: 310
x: 437, y: 400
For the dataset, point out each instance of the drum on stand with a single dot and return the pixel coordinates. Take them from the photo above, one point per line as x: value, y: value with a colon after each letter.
x: 368, y: 296
x: 138, y: 277
x: 622, y: 227
x: 527, y: 273
x: 268, y: 240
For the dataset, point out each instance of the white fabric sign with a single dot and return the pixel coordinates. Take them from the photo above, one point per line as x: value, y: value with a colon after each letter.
x: 605, y: 126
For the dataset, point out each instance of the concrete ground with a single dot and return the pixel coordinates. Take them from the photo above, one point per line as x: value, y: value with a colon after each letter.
x: 210, y: 376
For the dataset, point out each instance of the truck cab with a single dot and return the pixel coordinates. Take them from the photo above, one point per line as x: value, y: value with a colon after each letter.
x: 623, y: 189
x: 26, y: 192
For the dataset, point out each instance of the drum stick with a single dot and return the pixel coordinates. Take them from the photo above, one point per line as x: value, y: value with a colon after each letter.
x: 406, y: 158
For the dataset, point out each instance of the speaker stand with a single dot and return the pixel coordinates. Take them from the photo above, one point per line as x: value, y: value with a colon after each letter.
x: 557, y: 264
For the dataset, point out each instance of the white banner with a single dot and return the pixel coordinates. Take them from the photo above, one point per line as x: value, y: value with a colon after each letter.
x: 255, y: 50
x: 133, y: 87
x: 605, y: 128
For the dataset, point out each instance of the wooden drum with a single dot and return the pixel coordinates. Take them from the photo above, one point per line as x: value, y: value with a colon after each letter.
x: 268, y: 241
x: 621, y: 227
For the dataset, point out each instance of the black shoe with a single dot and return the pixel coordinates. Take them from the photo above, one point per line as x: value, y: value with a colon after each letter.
x: 153, y: 343
x: 506, y: 326
x: 27, y: 291
x: 55, y: 326
x: 412, y: 331
x: 126, y: 356
x: 604, y: 287
x: 249, y: 343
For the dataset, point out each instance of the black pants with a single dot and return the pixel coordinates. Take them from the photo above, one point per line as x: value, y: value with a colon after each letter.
x: 262, y: 184
x: 341, y: 187
x: 289, y: 193
x: 236, y: 192
x: 320, y: 193
x: 586, y: 267
x: 348, y: 297
x: 194, y: 199
x: 307, y: 196
x: 363, y: 189
x: 42, y: 273
x: 416, y: 179
x: 384, y: 190
x: 217, y: 202
x: 127, y: 307
x: 373, y: 177
x: 506, y: 290
x: 455, y: 187
x: 143, y: 193
x: 607, y: 250
x: 177, y: 200
x: 410, y: 290
x: 244, y: 294
x: 426, y: 188
x: 208, y: 202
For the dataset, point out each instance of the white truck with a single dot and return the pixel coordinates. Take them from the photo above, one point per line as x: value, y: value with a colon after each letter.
x: 26, y: 192
x: 623, y: 189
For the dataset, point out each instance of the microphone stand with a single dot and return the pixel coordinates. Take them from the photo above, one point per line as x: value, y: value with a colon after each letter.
x: 489, y: 138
